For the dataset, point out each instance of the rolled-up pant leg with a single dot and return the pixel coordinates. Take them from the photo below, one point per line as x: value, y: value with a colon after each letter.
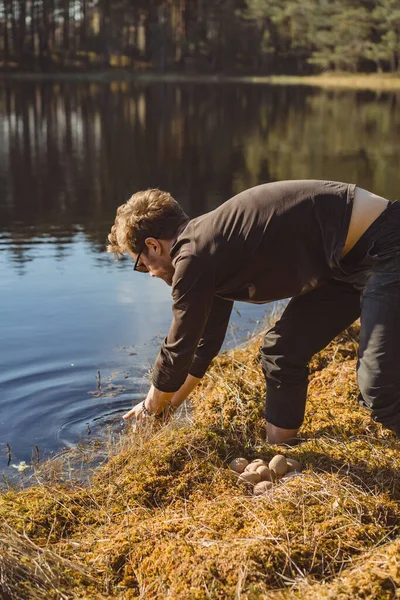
x: 307, y: 325
x: 378, y: 368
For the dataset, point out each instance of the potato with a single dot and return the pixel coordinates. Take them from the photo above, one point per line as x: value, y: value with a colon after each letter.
x: 293, y: 465
x: 252, y: 467
x: 249, y: 477
x: 265, y: 473
x: 259, y: 460
x: 238, y: 464
x: 278, y: 465
x: 262, y: 488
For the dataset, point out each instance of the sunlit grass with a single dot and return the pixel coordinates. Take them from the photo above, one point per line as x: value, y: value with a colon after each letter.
x: 165, y: 518
x: 373, y: 81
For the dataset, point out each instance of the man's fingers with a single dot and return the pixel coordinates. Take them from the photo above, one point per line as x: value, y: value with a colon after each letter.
x: 128, y: 415
x: 135, y: 411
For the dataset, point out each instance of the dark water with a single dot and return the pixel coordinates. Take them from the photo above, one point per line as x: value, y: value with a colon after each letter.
x: 70, y: 153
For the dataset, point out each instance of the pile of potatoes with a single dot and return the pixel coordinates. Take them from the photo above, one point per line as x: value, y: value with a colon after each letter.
x: 262, y: 475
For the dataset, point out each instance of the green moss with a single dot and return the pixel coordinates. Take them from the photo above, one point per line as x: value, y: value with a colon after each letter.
x: 165, y: 517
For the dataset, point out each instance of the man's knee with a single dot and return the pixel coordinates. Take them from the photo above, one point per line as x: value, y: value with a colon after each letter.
x: 383, y: 401
x: 279, y: 359
x: 286, y: 378
x: 280, y: 362
x: 271, y: 346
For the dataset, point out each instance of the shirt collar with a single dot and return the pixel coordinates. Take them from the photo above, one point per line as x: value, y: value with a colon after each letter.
x: 181, y: 229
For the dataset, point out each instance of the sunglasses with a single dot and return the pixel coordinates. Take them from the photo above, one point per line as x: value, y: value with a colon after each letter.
x: 140, y: 268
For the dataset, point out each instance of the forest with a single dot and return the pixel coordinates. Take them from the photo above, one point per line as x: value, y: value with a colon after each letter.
x: 201, y: 36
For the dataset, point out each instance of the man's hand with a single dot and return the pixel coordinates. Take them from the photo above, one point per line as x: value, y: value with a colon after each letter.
x: 136, y: 412
x: 162, y: 404
x: 156, y: 401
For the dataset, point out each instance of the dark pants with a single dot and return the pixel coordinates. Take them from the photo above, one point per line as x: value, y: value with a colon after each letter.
x: 366, y: 284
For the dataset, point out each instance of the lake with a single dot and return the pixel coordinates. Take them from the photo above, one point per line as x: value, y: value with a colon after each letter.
x: 80, y: 331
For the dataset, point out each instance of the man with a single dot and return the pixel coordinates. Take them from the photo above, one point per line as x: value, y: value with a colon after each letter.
x: 332, y: 247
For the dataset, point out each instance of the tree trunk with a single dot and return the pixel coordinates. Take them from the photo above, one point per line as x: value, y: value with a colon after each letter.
x: 32, y: 28
x: 43, y: 29
x: 12, y: 44
x: 105, y: 28
x: 22, y: 28
x: 6, y: 36
x: 84, y: 25
x: 66, y: 40
x: 14, y: 28
x: 150, y: 24
x: 52, y: 26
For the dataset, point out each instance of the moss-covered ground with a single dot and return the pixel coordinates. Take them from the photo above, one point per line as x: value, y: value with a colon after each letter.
x: 165, y: 518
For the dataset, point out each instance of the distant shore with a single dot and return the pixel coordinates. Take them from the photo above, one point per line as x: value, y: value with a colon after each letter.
x: 359, y: 81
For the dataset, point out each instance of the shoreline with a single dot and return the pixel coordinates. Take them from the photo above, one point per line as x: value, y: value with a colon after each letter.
x: 166, y: 517
x: 372, y: 82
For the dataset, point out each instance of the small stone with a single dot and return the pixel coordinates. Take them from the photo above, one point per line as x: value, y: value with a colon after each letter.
x: 293, y: 465
x: 249, y: 477
x: 238, y: 464
x: 290, y: 475
x: 278, y: 465
x: 265, y: 473
x: 262, y: 488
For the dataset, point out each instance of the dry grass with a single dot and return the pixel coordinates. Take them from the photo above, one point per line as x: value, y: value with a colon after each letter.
x: 29, y: 571
x: 362, y: 81
x: 165, y: 518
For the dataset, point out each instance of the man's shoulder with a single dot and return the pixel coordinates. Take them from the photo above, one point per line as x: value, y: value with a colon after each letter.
x: 196, y: 241
x: 185, y: 260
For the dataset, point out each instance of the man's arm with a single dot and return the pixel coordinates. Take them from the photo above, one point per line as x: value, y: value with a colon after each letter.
x: 195, y: 337
x: 184, y: 391
x: 193, y: 297
x: 213, y: 336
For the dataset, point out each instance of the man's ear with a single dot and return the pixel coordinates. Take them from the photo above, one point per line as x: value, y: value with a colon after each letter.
x: 153, y: 244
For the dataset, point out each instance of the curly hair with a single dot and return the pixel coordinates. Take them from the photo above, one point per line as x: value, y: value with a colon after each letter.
x: 149, y: 213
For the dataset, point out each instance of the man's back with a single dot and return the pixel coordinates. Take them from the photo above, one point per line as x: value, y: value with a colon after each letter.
x: 269, y: 242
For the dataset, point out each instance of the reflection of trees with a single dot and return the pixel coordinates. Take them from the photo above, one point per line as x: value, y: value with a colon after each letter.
x: 343, y: 136
x: 71, y: 153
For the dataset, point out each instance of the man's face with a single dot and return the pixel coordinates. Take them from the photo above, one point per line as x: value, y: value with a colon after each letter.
x: 156, y: 258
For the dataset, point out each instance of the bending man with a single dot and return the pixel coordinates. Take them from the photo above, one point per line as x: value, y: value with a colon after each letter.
x: 332, y: 247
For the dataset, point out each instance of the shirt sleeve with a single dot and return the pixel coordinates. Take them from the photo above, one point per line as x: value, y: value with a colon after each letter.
x: 193, y: 290
x: 213, y: 336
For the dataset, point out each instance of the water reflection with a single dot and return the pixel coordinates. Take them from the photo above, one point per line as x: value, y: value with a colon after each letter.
x: 70, y: 153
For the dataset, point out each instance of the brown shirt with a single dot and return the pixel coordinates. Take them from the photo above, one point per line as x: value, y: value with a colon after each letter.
x: 270, y: 242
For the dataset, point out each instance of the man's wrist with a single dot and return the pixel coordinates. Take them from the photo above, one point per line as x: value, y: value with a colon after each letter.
x: 157, y: 400
x: 146, y: 411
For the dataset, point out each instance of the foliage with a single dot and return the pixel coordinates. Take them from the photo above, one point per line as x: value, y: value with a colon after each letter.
x: 265, y: 36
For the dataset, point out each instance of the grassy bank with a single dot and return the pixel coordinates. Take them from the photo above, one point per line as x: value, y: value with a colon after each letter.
x: 358, y: 81
x: 165, y: 518
x: 374, y: 81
